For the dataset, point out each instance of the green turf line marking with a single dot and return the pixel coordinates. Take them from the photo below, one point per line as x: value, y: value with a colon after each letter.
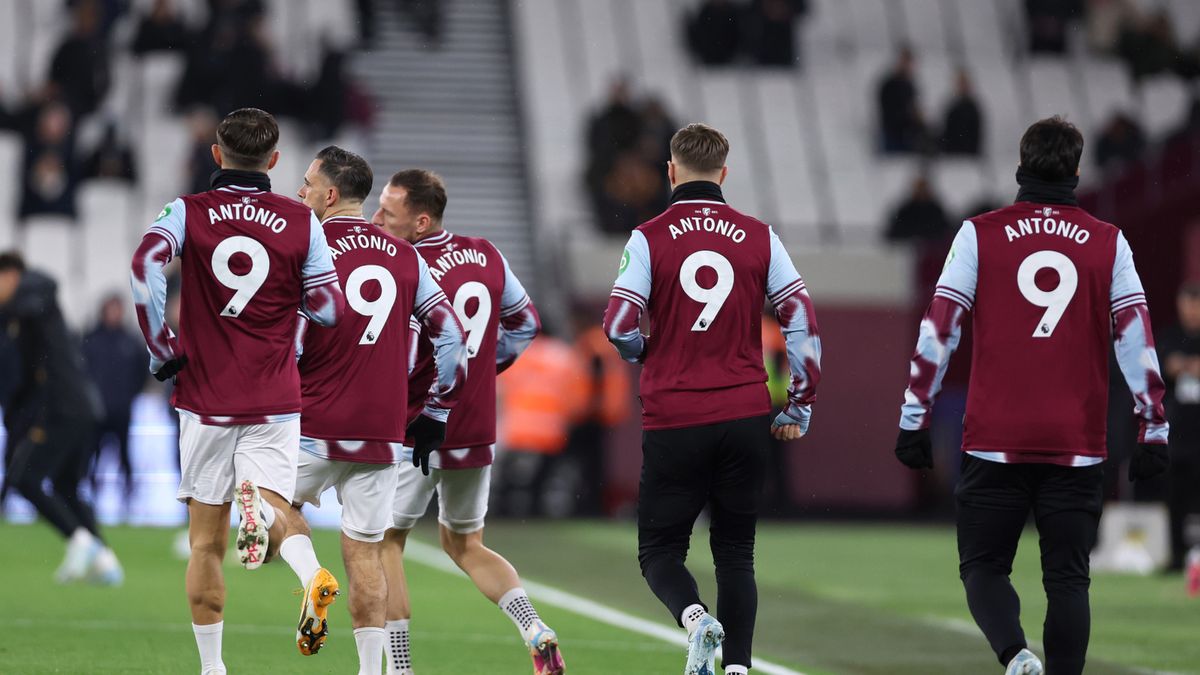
x: 431, y: 556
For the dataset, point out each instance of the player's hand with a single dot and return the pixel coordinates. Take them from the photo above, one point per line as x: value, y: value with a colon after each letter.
x: 915, y: 449
x: 1149, y: 460
x: 427, y: 434
x: 791, y: 423
x: 171, y: 368
x: 786, y: 432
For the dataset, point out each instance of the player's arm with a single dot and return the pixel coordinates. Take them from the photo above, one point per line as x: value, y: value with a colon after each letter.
x: 161, y: 243
x: 798, y: 322
x: 519, y: 321
x: 301, y: 331
x: 323, y: 302
x: 940, y: 332
x: 414, y: 336
x: 1136, y: 356
x: 630, y: 295
x: 437, y: 318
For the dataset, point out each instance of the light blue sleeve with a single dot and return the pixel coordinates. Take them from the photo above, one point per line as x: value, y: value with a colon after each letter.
x: 170, y: 224
x: 148, y: 281
x: 514, y: 294
x: 781, y: 275
x: 318, y: 266
x: 960, y: 275
x: 633, y: 276
x: 1126, y: 290
x: 428, y: 293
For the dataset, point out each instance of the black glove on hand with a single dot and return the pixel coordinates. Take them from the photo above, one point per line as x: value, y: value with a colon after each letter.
x: 1149, y: 460
x: 427, y: 434
x: 171, y: 368
x: 915, y: 449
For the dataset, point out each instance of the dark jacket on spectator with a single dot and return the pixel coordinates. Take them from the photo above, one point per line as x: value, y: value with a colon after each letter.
x: 962, y: 132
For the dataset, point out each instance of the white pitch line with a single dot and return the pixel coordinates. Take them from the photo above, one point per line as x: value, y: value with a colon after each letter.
x: 432, y: 556
x: 964, y: 627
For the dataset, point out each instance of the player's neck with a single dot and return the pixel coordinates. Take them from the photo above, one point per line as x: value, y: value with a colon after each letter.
x: 354, y: 211
x: 705, y: 190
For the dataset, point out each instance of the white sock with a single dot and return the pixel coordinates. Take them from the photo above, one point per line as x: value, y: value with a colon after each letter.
x: 516, y: 605
x: 399, y: 656
x: 736, y: 670
x: 208, y: 641
x: 691, y: 616
x: 370, y: 649
x: 297, y: 551
x: 80, y: 538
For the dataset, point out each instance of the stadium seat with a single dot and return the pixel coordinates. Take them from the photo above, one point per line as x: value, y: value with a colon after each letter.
x: 923, y: 26
x: 109, y: 232
x: 787, y: 138
x: 1164, y: 104
x: 978, y: 23
x: 51, y: 244
x: 727, y: 105
x: 10, y: 190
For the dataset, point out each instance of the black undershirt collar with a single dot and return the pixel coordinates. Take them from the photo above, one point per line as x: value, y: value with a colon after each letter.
x: 697, y: 189
x: 1041, y: 191
x: 236, y: 177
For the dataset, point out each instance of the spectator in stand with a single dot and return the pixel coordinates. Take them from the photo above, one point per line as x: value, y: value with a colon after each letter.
x: 1121, y: 142
x: 921, y: 216
x: 1104, y: 21
x: 902, y: 126
x: 50, y: 171
x: 116, y: 362
x: 962, y: 131
x: 1179, y: 351
x: 772, y: 28
x: 112, y: 158
x: 1149, y: 47
x: 631, y: 193
x: 616, y: 162
x: 1048, y: 22
x: 161, y: 30
x: 714, y: 32
x: 80, y: 66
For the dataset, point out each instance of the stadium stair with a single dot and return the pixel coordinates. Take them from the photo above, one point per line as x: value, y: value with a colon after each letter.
x: 453, y: 109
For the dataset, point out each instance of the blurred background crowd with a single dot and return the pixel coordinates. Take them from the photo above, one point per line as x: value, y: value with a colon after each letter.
x: 864, y: 131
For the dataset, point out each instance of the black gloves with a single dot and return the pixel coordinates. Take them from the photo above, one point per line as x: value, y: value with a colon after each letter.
x: 171, y: 368
x: 1149, y: 460
x: 427, y: 434
x: 915, y: 449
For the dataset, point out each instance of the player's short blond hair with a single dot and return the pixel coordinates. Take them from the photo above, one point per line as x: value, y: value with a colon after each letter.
x: 699, y: 147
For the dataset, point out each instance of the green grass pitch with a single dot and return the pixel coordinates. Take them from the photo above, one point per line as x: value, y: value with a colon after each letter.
x: 833, y: 599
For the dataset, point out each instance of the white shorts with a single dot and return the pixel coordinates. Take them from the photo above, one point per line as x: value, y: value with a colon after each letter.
x: 462, y: 497
x: 214, y: 459
x: 364, y: 490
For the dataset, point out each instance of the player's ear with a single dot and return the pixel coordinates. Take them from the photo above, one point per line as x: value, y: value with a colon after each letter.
x: 216, y: 154
x: 331, y: 196
x: 724, y: 173
x: 671, y: 172
x: 273, y: 161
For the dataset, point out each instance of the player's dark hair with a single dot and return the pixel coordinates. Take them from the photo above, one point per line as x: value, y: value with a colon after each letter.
x: 11, y: 260
x: 348, y: 172
x: 424, y: 191
x: 247, y: 138
x: 1051, y: 148
x: 699, y: 147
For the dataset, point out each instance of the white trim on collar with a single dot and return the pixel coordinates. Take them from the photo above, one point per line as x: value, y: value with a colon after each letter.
x: 698, y: 201
x: 436, y: 240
